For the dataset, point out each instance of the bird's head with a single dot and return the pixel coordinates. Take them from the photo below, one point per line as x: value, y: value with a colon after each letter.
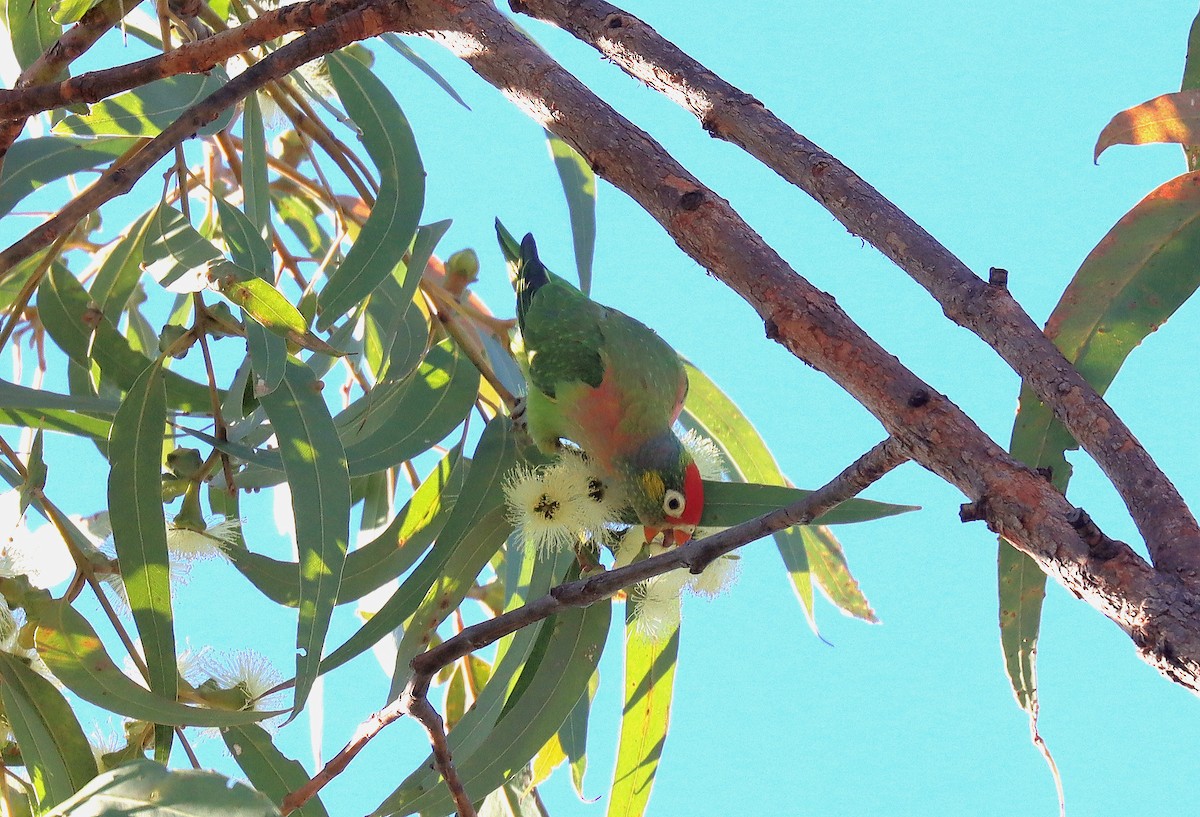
x: 665, y: 489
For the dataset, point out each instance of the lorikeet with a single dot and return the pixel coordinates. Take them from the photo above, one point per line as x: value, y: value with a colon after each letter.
x: 609, y: 384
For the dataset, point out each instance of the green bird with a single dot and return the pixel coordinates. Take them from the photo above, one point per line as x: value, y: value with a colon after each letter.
x: 612, y: 386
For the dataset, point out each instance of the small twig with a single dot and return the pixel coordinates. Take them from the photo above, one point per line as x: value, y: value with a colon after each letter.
x: 695, y: 555
x: 424, y: 713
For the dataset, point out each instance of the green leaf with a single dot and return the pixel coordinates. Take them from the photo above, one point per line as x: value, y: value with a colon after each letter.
x: 272, y: 773
x: 382, y: 559
x: 35, y: 408
x: 266, y: 305
x: 300, y: 213
x: 481, y: 509
x: 1191, y: 81
x: 573, y: 644
x: 76, y: 656
x: 534, y: 577
x: 147, y: 789
x: 148, y: 110
x: 64, y: 309
x: 52, y: 743
x: 401, y: 48
x: 69, y: 11
x: 179, y: 258
x: 267, y: 344
x: 400, y: 419
x: 139, y: 526
x: 30, y: 29
x: 832, y: 574
x: 315, y: 464
x: 256, y: 193
x: 32, y: 163
x: 579, y: 185
x: 385, y: 236
x: 396, y: 333
x: 119, y: 272
x: 247, y: 247
x: 649, y: 684
x: 1128, y: 286
x: 730, y: 503
x: 710, y: 411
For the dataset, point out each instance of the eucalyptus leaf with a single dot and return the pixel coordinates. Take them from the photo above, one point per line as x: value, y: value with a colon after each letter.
x: 147, y: 111
x: 385, y: 236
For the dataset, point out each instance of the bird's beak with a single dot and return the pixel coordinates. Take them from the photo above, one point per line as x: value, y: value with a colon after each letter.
x: 671, y: 536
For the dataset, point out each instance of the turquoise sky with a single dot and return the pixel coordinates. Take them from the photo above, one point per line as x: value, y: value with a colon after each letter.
x: 979, y: 121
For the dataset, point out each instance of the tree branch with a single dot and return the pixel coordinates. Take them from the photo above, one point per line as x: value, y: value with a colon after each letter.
x: 695, y: 556
x: 91, y: 27
x: 368, y: 19
x: 188, y: 58
x: 1163, y: 518
x: 1156, y: 609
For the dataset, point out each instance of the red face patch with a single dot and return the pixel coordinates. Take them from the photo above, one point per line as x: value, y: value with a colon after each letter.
x: 693, y: 498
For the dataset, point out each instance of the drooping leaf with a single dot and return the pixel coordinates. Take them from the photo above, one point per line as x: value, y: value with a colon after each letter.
x: 139, y: 525
x: 832, y: 575
x: 271, y: 772
x: 32, y: 163
x: 267, y: 345
x: 315, y: 464
x: 710, y: 411
x: 1191, y: 81
x: 1173, y: 117
x: 52, y: 743
x: 255, y: 189
x: 579, y: 185
x: 392, y: 224
x: 118, y: 275
x: 1126, y: 288
x: 64, y: 309
x: 76, y: 656
x: 148, y: 110
x: 147, y: 789
x: 424, y: 67
x: 649, y: 685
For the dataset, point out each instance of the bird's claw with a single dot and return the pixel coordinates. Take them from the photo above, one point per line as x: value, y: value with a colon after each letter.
x: 519, y: 420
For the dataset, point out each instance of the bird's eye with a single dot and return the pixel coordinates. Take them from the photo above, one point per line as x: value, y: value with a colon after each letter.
x: 673, y: 503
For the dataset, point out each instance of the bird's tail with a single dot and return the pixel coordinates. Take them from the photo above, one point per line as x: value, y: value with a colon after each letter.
x: 531, y: 276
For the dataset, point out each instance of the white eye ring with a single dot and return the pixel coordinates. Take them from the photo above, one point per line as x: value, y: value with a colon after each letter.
x: 673, y: 502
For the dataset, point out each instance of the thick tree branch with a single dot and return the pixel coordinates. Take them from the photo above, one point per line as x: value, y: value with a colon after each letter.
x: 1163, y: 518
x: 1155, y: 609
x: 695, y: 556
x: 188, y: 58
x: 81, y: 36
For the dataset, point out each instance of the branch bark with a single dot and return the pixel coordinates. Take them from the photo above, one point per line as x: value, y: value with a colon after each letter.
x: 81, y: 36
x: 1167, y: 524
x: 1155, y: 608
x: 188, y: 58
